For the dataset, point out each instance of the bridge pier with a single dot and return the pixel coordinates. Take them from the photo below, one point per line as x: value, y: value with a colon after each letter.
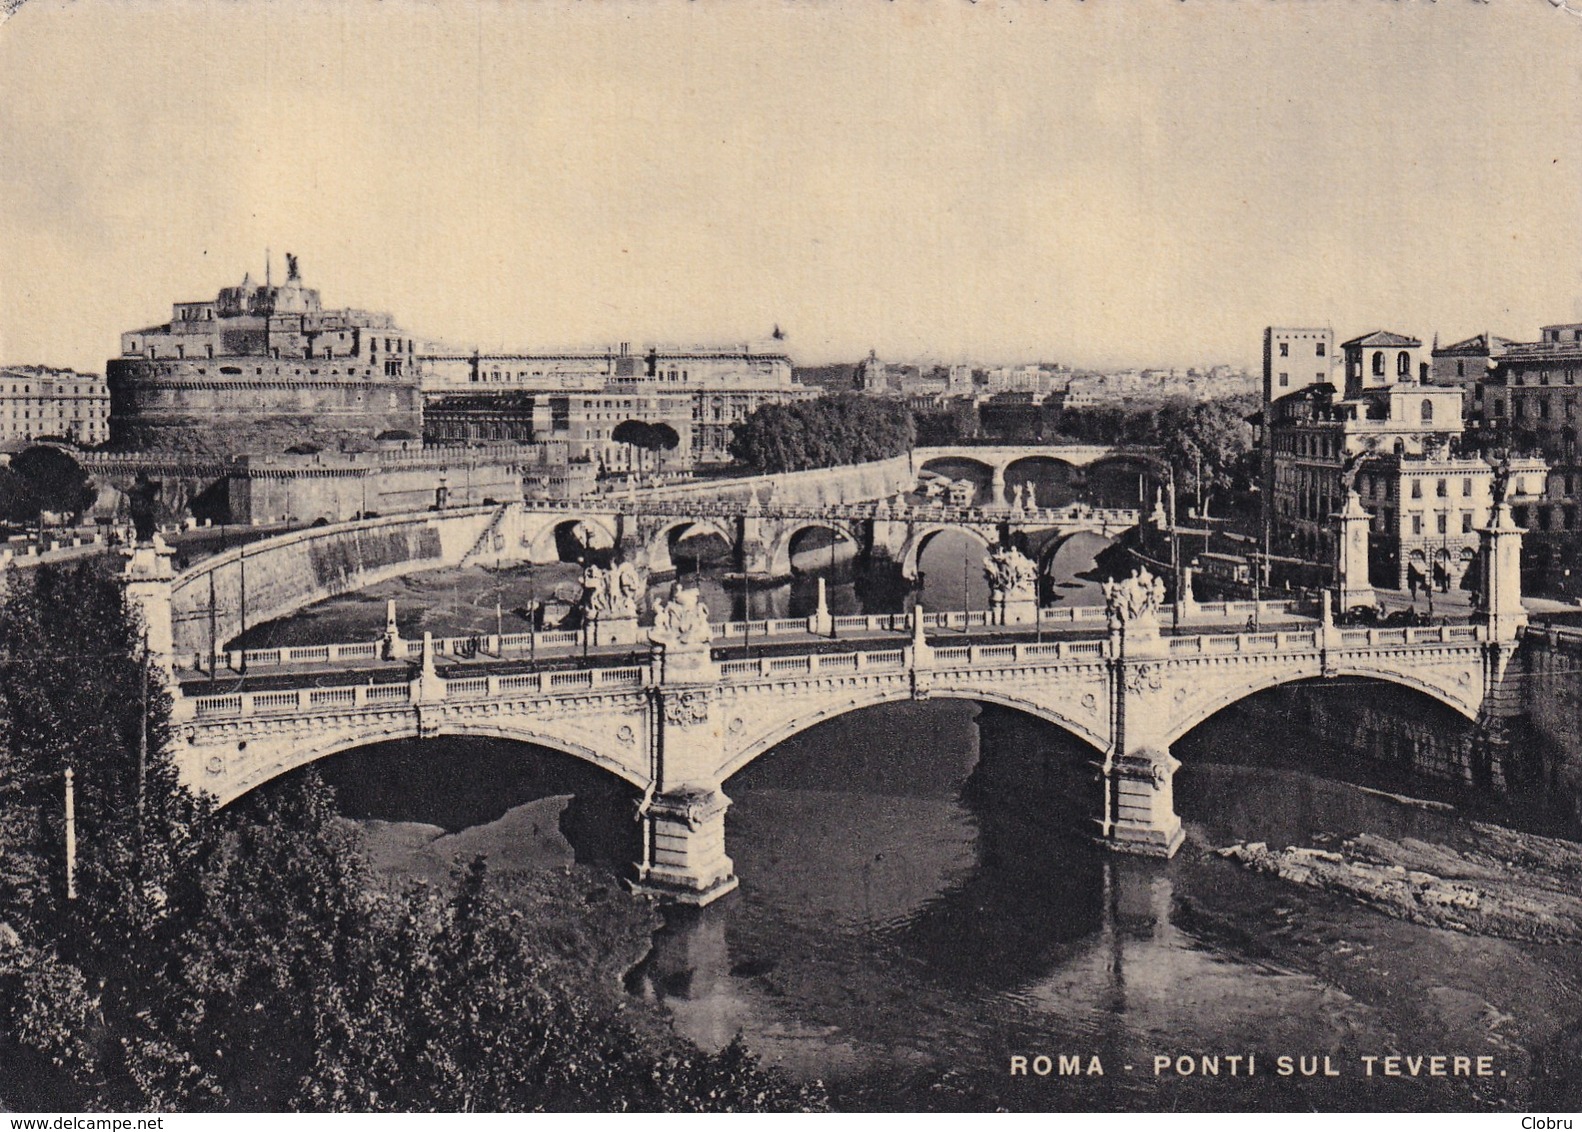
x: 683, y: 815
x: 1139, y: 771
x: 1141, y: 797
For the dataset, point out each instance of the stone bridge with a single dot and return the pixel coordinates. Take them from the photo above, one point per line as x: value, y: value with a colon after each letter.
x: 761, y: 539
x: 215, y: 600
x: 680, y: 725
x: 998, y: 458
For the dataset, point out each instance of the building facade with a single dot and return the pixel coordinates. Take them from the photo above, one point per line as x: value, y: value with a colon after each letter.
x: 1530, y: 400
x: 581, y: 397
x: 39, y: 403
x: 260, y: 369
x: 1398, y: 437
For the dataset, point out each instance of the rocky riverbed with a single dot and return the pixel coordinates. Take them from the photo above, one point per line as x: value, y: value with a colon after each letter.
x: 1495, y: 882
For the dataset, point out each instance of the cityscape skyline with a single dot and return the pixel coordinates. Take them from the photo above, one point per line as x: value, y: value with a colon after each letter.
x: 980, y: 184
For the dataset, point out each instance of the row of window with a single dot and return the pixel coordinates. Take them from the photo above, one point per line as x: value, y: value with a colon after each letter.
x: 1567, y: 377
x: 1285, y: 349
x: 1403, y: 365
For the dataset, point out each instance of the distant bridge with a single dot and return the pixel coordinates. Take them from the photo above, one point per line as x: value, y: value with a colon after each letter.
x: 759, y: 518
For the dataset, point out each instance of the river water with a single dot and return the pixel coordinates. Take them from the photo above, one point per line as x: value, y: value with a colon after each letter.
x: 920, y: 907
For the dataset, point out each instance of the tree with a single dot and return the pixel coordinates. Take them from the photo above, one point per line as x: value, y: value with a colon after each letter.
x: 73, y: 682
x: 72, y: 692
x: 648, y: 436
x: 956, y: 421
x: 846, y: 428
x: 248, y: 960
x: 55, y: 480
x: 18, y: 502
x: 665, y: 438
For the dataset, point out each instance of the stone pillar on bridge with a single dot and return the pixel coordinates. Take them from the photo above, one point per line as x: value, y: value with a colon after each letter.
x: 683, y: 815
x: 394, y: 648
x: 427, y: 685
x: 146, y: 580
x: 1352, y: 587
x: 820, y: 623
x: 1013, y: 587
x: 1499, y: 601
x: 752, y: 549
x: 1139, y: 797
x: 1500, y: 588
x: 997, y: 486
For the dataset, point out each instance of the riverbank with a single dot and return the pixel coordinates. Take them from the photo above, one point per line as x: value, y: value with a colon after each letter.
x: 579, y: 916
x: 1502, y: 883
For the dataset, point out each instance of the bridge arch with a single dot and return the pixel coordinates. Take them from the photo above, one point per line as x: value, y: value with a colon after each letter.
x: 780, y: 553
x: 1452, y: 694
x: 784, y: 729
x: 664, y: 537
x: 983, y: 464
x: 919, y: 537
x: 549, y: 543
x: 333, y: 743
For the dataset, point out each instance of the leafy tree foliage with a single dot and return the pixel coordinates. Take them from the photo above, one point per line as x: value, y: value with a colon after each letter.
x: 649, y: 436
x: 847, y: 428
x: 955, y: 422
x: 45, y: 479
x: 248, y: 960
x: 1215, y: 432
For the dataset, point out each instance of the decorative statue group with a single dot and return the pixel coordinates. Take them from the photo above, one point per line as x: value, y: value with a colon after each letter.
x: 1136, y: 598
x: 1024, y: 497
x: 613, y: 593
x: 1010, y: 572
x: 682, y: 622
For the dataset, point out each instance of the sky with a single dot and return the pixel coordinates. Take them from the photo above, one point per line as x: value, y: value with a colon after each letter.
x: 1147, y: 182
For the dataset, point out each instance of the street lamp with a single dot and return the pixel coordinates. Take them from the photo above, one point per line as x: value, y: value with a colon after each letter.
x: 1175, y: 550
x: 965, y: 601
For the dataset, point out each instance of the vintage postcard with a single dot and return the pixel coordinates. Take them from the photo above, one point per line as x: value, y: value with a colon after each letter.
x: 776, y: 556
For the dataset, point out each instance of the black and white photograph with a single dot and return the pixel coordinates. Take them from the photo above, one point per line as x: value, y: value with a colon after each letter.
x: 790, y: 556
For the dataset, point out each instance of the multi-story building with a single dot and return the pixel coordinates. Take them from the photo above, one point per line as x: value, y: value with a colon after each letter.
x: 1467, y: 363
x: 260, y: 369
x: 1398, y: 436
x: 38, y: 402
x: 1528, y: 400
x: 1308, y: 353
x: 581, y: 396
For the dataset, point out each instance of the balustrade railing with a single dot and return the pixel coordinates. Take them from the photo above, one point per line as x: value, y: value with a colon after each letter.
x: 940, y: 655
x: 564, y: 641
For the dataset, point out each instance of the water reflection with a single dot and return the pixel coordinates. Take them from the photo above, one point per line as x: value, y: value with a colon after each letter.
x: 919, y: 903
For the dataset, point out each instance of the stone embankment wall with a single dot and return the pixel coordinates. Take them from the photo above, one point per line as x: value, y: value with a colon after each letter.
x: 282, y: 575
x: 1551, y: 671
x: 334, y: 487
x: 850, y: 483
x: 1376, y: 728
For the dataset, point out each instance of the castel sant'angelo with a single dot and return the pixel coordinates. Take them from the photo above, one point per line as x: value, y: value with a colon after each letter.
x: 261, y: 368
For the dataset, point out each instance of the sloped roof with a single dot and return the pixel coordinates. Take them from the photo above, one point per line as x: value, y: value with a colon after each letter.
x: 1380, y: 338
x: 1477, y: 344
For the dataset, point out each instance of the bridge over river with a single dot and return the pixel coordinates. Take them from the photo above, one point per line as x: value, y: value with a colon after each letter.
x: 678, y: 723
x: 217, y: 598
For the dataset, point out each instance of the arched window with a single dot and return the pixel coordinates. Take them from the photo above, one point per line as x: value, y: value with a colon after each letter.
x: 1427, y: 411
x: 1378, y: 363
x: 1403, y: 364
